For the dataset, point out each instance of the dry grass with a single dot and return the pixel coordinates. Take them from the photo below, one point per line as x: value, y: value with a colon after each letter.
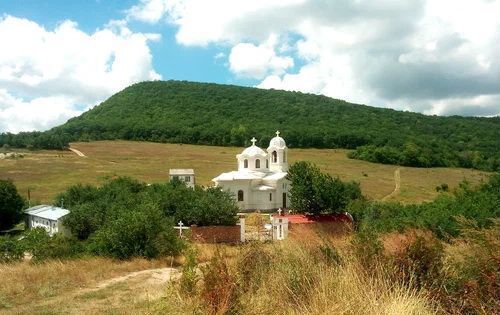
x: 28, y: 283
x: 293, y: 277
x: 48, y: 173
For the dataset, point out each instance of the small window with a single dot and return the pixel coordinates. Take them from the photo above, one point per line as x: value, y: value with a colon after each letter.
x: 240, y: 195
x: 257, y: 163
x: 267, y: 163
x: 175, y: 177
x: 187, y: 179
x: 245, y: 163
x: 270, y: 197
x: 284, y: 156
x: 275, y: 157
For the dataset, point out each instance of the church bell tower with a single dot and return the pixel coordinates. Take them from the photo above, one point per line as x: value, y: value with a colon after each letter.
x: 278, y: 154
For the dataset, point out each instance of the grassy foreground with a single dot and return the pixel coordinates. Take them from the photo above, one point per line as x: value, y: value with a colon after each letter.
x: 47, y: 173
x: 317, y: 270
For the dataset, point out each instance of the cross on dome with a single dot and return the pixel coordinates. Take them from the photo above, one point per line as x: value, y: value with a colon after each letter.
x: 253, y: 140
x: 277, y: 133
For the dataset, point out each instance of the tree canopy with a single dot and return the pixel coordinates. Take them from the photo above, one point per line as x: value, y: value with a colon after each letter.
x: 11, y: 205
x: 319, y: 193
x: 213, y: 114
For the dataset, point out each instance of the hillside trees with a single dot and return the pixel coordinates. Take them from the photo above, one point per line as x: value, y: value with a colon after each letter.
x: 212, y: 114
x: 11, y: 204
x: 315, y: 192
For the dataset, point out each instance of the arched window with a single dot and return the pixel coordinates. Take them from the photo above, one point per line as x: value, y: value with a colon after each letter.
x: 275, y: 157
x: 257, y: 163
x: 240, y: 195
x: 245, y: 163
x: 267, y: 163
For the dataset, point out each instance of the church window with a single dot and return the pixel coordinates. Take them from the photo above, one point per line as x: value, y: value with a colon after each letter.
x: 240, y: 195
x: 267, y: 163
x: 275, y: 157
x: 284, y: 156
x: 245, y: 163
x: 257, y: 163
x: 187, y: 179
x: 270, y: 197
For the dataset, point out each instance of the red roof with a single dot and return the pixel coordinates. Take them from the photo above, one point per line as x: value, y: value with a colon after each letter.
x: 304, y: 218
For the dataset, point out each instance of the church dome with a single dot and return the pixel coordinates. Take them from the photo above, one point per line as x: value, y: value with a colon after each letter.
x: 277, y: 142
x: 253, y: 150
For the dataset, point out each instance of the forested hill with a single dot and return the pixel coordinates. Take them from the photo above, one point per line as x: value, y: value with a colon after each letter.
x: 201, y: 113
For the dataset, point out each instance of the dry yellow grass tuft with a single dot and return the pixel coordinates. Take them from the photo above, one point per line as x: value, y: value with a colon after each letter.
x: 48, y: 173
x: 28, y: 283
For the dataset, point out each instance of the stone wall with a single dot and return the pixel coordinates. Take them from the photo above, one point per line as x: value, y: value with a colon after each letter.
x: 216, y: 234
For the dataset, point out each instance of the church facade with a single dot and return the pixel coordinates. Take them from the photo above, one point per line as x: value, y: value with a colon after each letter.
x: 260, y: 182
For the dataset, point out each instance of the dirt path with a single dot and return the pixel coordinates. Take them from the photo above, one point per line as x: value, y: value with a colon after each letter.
x: 397, y: 182
x: 118, y: 295
x: 79, y: 153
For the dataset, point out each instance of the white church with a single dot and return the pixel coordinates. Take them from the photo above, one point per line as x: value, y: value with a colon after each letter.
x: 260, y: 182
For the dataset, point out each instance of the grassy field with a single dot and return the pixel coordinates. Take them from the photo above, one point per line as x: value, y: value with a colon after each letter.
x: 47, y: 173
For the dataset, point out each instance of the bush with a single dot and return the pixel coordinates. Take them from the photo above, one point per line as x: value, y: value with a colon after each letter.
x: 11, y: 250
x: 368, y: 249
x: 143, y: 232
x: 471, y: 270
x: 42, y: 247
x: 420, y: 262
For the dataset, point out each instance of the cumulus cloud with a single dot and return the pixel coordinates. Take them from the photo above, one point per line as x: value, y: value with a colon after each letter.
x: 47, y: 76
x: 249, y: 60
x: 437, y: 57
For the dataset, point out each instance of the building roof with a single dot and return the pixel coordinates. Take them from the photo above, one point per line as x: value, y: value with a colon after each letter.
x: 277, y: 142
x: 234, y: 175
x: 47, y: 212
x: 275, y: 175
x: 181, y: 171
x: 252, y: 151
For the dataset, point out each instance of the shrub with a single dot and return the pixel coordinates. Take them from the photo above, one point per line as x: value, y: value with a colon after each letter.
x: 367, y: 248
x: 10, y: 250
x: 471, y: 270
x: 143, y: 232
x: 189, y: 278
x: 419, y: 262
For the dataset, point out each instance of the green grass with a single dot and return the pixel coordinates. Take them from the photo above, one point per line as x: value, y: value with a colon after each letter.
x: 47, y: 173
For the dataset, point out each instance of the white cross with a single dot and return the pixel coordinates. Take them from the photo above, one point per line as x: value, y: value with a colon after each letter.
x: 180, y: 228
x: 253, y: 140
x: 277, y: 133
x: 279, y: 211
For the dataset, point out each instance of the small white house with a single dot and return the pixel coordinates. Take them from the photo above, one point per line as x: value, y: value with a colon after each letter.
x: 48, y: 217
x: 185, y: 175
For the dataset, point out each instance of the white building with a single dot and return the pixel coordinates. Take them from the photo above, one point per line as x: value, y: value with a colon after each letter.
x: 48, y: 217
x: 260, y: 182
x: 184, y: 175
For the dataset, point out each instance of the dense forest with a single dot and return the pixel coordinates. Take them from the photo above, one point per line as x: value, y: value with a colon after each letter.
x: 213, y: 114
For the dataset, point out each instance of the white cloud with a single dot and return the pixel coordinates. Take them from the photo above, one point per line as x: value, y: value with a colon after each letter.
x: 51, y: 71
x: 423, y: 55
x: 253, y: 61
x: 18, y: 115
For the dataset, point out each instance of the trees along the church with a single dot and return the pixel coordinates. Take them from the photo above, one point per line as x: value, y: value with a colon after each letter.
x: 318, y: 193
x: 11, y: 205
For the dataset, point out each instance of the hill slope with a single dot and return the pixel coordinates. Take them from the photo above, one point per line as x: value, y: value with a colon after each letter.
x: 201, y: 113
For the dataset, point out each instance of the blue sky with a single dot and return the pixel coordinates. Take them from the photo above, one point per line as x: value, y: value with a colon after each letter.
x: 59, y: 58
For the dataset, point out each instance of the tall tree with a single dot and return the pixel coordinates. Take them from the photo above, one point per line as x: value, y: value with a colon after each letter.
x: 315, y: 192
x: 11, y: 205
